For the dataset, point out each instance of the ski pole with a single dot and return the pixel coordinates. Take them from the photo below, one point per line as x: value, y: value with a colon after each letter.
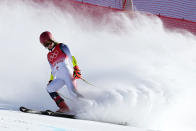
x: 75, y: 64
x: 87, y: 82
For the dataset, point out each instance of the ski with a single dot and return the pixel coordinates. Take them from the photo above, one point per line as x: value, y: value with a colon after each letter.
x: 58, y: 114
x: 46, y: 112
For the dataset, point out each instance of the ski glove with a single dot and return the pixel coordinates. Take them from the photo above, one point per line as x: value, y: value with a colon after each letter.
x: 76, y: 73
x: 49, y: 82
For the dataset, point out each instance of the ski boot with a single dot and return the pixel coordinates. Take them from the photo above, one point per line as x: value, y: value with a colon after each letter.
x: 59, y: 102
x: 63, y: 108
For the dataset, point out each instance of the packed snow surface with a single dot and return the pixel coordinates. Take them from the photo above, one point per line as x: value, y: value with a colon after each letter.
x: 143, y: 74
x: 18, y: 121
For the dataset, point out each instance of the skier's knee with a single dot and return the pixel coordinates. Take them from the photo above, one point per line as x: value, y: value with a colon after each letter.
x: 50, y: 89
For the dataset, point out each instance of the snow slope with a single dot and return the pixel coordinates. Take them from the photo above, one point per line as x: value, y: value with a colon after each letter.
x: 144, y: 74
x: 18, y: 121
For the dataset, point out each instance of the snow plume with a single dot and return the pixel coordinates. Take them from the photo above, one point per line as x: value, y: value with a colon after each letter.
x: 143, y: 73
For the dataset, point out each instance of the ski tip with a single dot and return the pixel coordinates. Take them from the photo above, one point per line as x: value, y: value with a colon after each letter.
x: 23, y: 109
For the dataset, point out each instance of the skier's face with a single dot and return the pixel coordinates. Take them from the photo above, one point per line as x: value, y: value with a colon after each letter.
x: 49, y: 44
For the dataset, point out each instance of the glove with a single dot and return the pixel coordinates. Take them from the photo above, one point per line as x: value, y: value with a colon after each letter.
x: 51, y: 78
x: 49, y: 82
x: 76, y: 72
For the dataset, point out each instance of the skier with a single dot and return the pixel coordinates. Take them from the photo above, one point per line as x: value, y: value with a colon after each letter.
x: 59, y: 58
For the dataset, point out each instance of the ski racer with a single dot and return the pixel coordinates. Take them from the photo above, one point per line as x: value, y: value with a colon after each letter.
x: 59, y: 57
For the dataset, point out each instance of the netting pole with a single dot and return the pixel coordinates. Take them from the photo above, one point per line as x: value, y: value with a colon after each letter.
x: 124, y: 4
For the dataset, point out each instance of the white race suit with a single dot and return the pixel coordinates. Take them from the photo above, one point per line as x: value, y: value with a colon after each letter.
x: 59, y: 59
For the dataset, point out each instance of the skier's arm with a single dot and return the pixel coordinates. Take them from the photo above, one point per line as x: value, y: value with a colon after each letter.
x: 66, y: 50
x: 76, y: 73
x: 51, y: 76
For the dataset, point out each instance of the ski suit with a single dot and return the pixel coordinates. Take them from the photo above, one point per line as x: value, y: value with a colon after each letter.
x: 58, y: 59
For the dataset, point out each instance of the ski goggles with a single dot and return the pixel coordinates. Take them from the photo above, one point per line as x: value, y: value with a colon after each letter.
x: 47, y: 43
